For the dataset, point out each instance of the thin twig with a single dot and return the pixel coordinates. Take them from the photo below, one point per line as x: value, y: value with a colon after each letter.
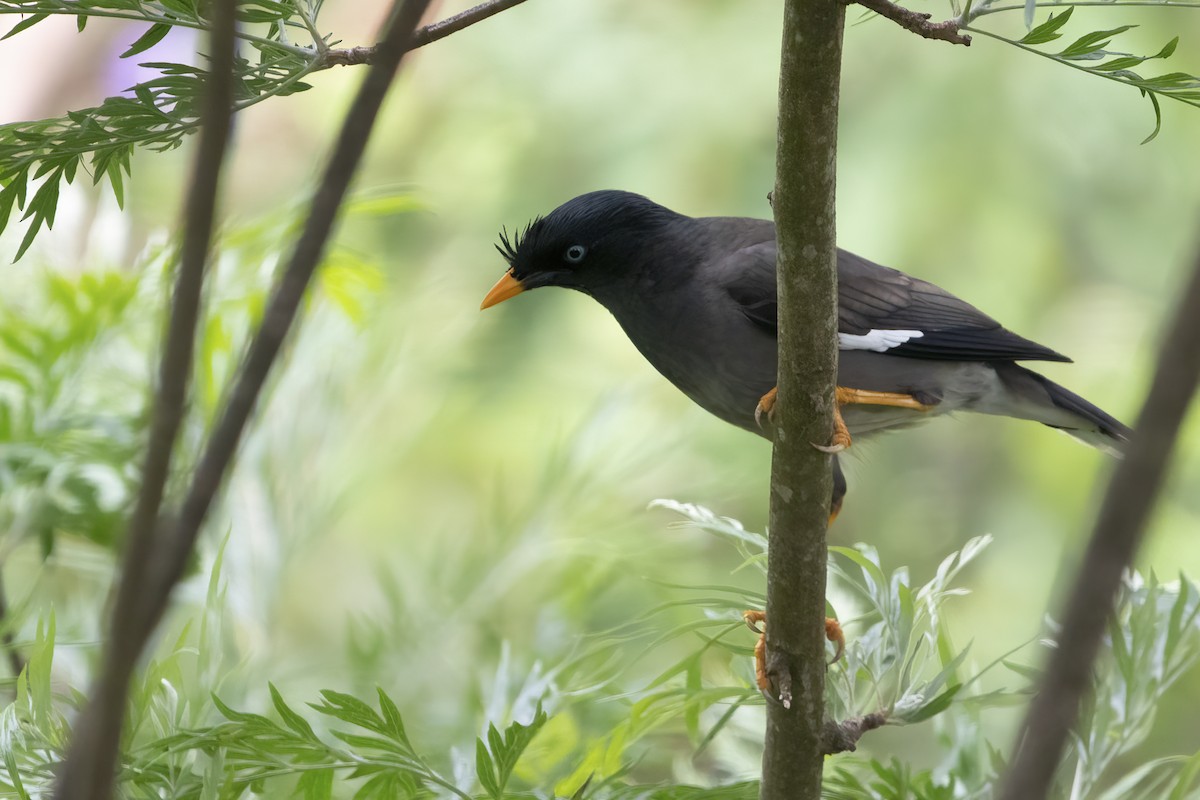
x: 145, y: 12
x: 842, y: 737
x: 88, y: 772
x: 1119, y: 530
x: 425, y: 35
x: 1112, y: 75
x: 346, y: 57
x: 440, y: 30
x: 918, y: 22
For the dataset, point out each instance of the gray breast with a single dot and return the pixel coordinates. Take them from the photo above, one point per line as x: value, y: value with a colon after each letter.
x: 703, y: 345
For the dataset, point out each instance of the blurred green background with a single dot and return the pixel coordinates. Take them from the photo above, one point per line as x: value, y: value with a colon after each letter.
x: 442, y: 501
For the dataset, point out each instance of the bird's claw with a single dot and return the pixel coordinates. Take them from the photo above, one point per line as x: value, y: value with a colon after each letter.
x: 841, y: 434
x: 766, y: 406
x: 755, y: 619
x: 833, y: 632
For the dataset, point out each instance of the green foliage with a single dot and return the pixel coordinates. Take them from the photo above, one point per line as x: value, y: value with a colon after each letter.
x: 38, y: 157
x: 495, y: 760
x: 903, y: 655
x: 155, y: 114
x: 702, y: 703
x: 72, y: 408
x: 1152, y: 642
x: 891, y: 780
x: 187, y: 744
x: 74, y: 372
x: 899, y: 658
x: 1089, y: 53
x: 76, y: 356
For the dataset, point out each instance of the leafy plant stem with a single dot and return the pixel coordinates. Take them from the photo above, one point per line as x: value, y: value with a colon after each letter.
x: 972, y: 13
x: 150, y: 136
x: 1051, y: 56
x: 346, y: 761
x: 310, y: 23
x: 156, y: 19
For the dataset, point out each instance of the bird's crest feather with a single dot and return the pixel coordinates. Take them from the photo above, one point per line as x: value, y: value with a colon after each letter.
x: 509, y: 246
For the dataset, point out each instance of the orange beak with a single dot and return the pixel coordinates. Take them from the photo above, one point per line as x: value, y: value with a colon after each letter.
x: 506, y: 287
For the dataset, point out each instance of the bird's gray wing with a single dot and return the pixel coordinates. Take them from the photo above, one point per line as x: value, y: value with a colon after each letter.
x: 884, y: 310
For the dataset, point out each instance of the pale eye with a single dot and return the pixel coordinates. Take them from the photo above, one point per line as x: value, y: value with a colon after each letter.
x: 575, y: 254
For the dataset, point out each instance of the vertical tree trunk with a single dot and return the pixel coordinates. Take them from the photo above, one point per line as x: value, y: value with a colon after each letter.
x: 801, y: 481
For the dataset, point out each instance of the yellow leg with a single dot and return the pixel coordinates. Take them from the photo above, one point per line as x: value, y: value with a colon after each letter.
x: 865, y: 397
x: 842, y: 396
x: 757, y: 620
x: 845, y: 396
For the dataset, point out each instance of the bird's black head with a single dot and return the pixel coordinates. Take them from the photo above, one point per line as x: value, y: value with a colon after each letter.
x: 583, y: 244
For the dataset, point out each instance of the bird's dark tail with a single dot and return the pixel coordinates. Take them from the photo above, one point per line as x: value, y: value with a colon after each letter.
x: 1058, y: 407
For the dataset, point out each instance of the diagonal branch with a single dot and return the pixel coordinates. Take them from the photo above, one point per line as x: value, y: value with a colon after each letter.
x: 440, y: 30
x: 917, y: 22
x: 160, y: 560
x: 427, y: 34
x: 89, y: 767
x: 281, y: 311
x: 1119, y: 530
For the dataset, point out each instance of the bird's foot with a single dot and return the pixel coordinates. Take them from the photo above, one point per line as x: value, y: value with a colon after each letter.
x: 833, y: 632
x: 756, y: 621
x: 841, y: 434
x: 842, y: 396
x: 766, y: 407
x: 753, y: 619
x: 846, y: 396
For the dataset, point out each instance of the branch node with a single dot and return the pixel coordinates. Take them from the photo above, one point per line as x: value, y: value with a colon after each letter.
x: 355, y: 56
x: 348, y: 57
x: 842, y: 737
x: 917, y: 22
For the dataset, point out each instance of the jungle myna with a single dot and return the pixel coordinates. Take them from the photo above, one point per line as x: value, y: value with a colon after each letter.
x: 697, y: 297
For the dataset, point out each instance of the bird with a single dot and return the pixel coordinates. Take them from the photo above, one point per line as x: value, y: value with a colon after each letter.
x: 697, y: 297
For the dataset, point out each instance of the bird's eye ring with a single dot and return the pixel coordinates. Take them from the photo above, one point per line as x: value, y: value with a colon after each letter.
x: 575, y: 254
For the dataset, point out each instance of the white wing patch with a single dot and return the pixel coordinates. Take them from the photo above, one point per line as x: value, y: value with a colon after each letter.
x: 879, y: 341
